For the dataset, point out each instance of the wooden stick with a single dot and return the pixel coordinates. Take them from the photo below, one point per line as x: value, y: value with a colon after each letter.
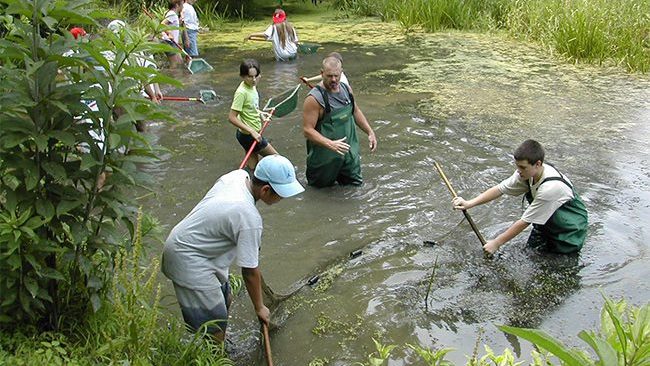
x: 454, y: 195
x: 267, y: 344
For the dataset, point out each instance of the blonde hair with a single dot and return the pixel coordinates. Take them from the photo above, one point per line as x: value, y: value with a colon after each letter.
x: 285, y: 32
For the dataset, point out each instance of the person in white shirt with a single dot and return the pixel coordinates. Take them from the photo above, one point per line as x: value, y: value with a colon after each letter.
x: 558, y: 215
x: 190, y: 21
x: 225, y: 228
x: 170, y: 36
x: 282, y: 34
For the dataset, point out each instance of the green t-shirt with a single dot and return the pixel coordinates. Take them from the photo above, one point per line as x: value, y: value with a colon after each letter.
x: 246, y: 101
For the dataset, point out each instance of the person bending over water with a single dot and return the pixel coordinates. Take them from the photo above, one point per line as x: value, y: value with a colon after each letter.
x: 558, y: 215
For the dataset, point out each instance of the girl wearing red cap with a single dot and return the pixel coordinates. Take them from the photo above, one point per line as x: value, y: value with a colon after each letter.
x: 282, y: 34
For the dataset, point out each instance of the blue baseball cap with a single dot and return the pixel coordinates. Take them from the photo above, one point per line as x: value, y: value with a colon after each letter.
x: 279, y: 173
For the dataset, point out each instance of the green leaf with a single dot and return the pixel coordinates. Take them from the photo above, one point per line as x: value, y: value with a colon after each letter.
x: 95, y: 282
x: 87, y: 162
x: 41, y: 142
x: 10, y: 140
x: 114, y: 141
x: 615, y: 317
x: 96, y: 302
x: 32, y: 286
x: 56, y: 170
x: 66, y: 206
x: 9, y: 299
x: 606, y: 353
x: 545, y: 341
x: 65, y: 137
x: 50, y: 22
x: 10, y: 195
x: 31, y: 176
x: 45, y: 208
x: 51, y: 273
x: 641, y: 326
x: 17, y: 125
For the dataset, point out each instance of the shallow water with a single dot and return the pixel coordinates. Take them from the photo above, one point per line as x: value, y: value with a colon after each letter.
x: 465, y: 101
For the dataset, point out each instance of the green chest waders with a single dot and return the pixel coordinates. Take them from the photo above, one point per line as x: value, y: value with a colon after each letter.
x: 324, y: 166
x: 566, y: 230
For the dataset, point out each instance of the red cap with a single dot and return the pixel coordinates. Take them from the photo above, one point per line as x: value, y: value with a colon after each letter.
x: 77, y: 32
x: 279, y: 16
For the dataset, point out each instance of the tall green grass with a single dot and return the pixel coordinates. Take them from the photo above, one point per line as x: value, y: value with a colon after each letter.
x: 211, y: 14
x: 592, y: 31
x: 130, y: 329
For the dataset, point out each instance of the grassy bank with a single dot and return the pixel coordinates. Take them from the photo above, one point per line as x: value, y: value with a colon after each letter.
x: 130, y: 328
x: 592, y: 31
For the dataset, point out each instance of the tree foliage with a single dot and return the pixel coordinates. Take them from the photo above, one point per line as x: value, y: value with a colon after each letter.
x: 68, y: 159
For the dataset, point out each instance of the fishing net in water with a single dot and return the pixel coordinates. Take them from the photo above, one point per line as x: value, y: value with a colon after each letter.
x: 197, y: 65
x: 284, y: 103
x: 308, y: 48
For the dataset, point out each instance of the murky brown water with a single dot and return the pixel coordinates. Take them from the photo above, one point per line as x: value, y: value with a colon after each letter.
x: 465, y: 101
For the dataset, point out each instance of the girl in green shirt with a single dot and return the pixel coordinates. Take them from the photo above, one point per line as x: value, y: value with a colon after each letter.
x: 244, y: 113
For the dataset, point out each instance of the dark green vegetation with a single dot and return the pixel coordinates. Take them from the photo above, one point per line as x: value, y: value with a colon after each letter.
x: 66, y: 167
x: 73, y: 288
x: 593, y: 31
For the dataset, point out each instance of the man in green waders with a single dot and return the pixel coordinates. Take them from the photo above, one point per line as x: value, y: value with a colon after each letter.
x: 558, y: 215
x: 329, y: 118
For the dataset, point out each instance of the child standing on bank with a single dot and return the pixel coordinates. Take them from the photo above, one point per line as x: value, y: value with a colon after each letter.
x: 190, y: 21
x: 244, y: 113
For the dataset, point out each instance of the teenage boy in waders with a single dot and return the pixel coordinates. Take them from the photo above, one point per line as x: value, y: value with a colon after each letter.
x: 558, y: 215
x: 329, y: 118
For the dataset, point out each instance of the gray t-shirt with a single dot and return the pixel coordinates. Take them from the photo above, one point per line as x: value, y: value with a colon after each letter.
x: 224, y: 227
x: 547, y: 197
x: 337, y: 100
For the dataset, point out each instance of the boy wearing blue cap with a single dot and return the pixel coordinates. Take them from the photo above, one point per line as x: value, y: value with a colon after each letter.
x: 225, y: 227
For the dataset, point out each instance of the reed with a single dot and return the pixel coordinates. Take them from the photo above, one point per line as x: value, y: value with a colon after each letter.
x: 591, y: 31
x: 211, y: 14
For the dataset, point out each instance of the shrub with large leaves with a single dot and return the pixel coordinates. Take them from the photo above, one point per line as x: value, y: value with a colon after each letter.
x: 67, y: 167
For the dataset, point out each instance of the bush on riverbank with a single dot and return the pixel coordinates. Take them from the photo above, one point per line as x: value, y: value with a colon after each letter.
x: 130, y: 329
x: 593, y: 31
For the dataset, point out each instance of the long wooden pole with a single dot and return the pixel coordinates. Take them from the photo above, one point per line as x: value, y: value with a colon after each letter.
x: 454, y: 195
x: 267, y: 344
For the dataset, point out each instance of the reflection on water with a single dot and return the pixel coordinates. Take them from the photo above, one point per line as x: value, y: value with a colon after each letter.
x: 465, y: 101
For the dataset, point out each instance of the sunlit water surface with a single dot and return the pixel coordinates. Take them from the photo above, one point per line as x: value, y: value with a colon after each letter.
x: 465, y: 101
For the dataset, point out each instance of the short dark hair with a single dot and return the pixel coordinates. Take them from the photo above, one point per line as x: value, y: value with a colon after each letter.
x: 261, y: 183
x: 248, y: 64
x: 171, y: 4
x: 531, y: 151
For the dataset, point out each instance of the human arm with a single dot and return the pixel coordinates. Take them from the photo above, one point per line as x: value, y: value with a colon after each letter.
x: 150, y: 90
x: 517, y: 227
x: 157, y: 91
x: 362, y: 122
x: 233, y: 117
x: 166, y: 34
x: 257, y: 37
x: 487, y: 196
x: 310, y: 114
x: 253, y: 281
